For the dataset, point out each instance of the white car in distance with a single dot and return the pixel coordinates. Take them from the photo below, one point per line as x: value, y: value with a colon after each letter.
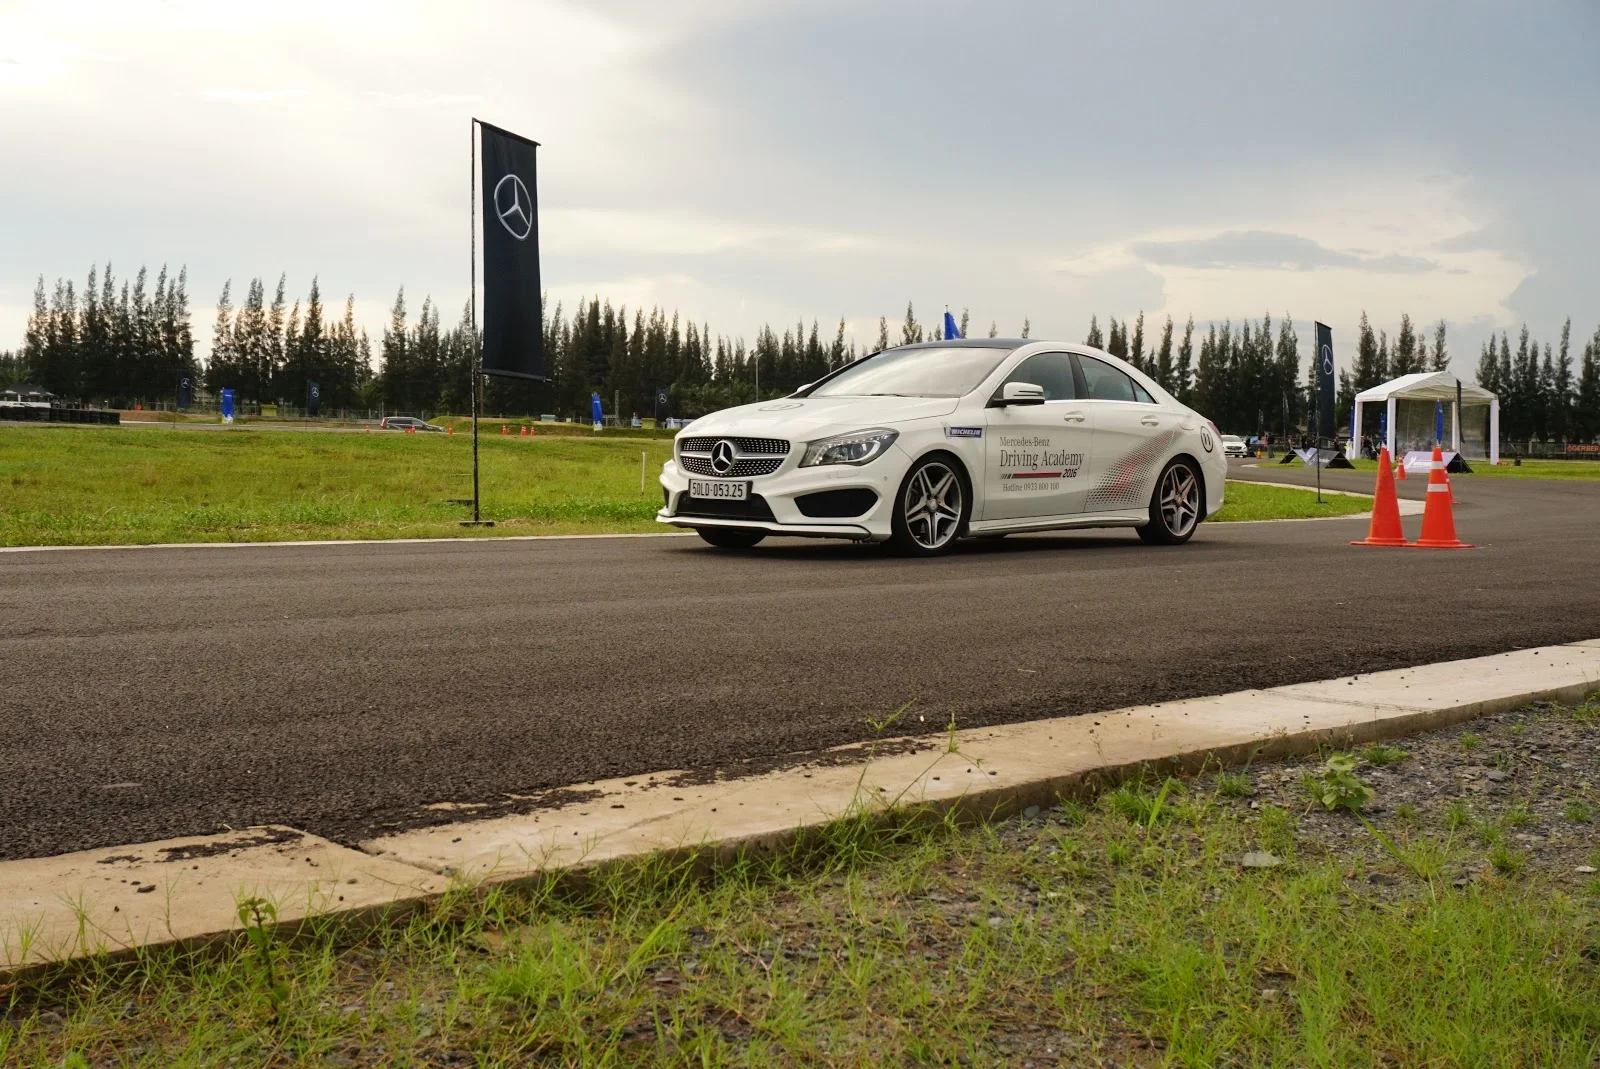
x: 1233, y: 446
x: 923, y: 444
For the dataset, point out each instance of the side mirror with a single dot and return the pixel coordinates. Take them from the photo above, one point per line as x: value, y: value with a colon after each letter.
x: 1021, y: 393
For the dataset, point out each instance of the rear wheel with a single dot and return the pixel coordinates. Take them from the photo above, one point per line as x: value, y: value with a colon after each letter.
x: 730, y: 537
x: 1176, y: 507
x: 931, y: 508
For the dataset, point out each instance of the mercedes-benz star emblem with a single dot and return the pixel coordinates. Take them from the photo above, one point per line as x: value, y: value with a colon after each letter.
x: 722, y: 457
x: 514, y: 207
x: 1327, y: 360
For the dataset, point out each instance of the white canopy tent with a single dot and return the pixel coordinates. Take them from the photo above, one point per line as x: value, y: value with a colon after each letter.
x: 1432, y: 386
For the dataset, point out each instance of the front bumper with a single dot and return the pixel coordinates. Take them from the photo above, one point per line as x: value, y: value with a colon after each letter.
x: 773, y: 507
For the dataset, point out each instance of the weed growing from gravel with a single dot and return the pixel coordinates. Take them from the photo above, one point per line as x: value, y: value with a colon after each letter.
x: 1338, y: 786
x: 1458, y: 815
x: 1578, y: 812
x: 1233, y: 785
x: 1380, y: 754
x: 1506, y: 861
x: 1471, y: 740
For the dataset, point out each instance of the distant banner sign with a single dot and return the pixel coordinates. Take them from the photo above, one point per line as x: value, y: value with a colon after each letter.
x: 185, y: 392
x: 227, y: 406
x: 513, y: 325
x: 313, y: 399
x: 1326, y: 382
x: 1420, y: 461
x: 1323, y: 458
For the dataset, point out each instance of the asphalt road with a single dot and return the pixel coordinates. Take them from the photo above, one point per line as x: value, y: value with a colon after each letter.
x: 152, y: 693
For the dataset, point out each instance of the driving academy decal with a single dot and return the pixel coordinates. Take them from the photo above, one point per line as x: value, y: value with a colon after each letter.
x: 1029, y: 463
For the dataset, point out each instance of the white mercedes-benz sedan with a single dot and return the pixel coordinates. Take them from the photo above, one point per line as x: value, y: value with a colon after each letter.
x: 924, y: 444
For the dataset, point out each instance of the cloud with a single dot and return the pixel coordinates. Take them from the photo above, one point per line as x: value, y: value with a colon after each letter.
x: 1265, y: 249
x: 250, y: 96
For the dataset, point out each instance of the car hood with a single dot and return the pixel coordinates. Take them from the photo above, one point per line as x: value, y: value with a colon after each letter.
x: 810, y: 418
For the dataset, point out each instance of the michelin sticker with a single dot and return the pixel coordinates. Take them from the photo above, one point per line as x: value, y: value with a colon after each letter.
x: 963, y: 432
x: 1031, y: 463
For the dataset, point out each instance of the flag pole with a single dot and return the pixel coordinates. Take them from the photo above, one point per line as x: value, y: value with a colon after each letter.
x: 475, y: 356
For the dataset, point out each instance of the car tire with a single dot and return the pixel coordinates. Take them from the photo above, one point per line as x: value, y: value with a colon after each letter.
x: 1177, y: 505
x: 932, y: 507
x: 731, y: 537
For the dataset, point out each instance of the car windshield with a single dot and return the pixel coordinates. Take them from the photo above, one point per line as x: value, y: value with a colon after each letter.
x: 916, y: 372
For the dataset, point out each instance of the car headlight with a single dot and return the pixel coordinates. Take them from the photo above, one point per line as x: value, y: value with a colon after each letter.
x: 858, y: 447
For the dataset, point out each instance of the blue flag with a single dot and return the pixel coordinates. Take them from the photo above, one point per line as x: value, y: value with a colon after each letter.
x: 950, y: 329
x: 1438, y: 422
x: 595, y: 407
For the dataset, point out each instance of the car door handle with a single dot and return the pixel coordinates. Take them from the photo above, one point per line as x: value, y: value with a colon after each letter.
x: 1074, y: 417
x: 1150, y: 421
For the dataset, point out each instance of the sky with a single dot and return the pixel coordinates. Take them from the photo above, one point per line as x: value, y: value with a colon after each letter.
x: 751, y: 161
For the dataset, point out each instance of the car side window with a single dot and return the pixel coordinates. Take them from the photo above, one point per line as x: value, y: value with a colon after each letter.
x: 1140, y: 393
x: 1105, y: 382
x: 1053, y: 371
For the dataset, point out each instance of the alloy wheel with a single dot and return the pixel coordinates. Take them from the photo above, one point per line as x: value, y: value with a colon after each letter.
x: 933, y: 505
x: 1180, y: 500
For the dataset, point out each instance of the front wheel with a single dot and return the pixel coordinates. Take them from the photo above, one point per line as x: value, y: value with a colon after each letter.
x: 931, y: 508
x: 1176, y: 507
x: 730, y: 537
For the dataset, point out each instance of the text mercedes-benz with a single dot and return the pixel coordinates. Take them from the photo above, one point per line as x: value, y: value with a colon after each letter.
x: 923, y: 444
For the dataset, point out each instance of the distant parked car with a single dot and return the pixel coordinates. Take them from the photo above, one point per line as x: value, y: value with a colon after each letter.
x: 1233, y: 446
x: 404, y: 423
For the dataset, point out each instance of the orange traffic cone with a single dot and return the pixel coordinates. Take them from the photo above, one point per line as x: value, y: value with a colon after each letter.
x: 1385, y: 529
x: 450, y: 431
x: 503, y: 431
x: 524, y: 433
x: 1401, y: 473
x: 411, y: 430
x: 1438, y: 521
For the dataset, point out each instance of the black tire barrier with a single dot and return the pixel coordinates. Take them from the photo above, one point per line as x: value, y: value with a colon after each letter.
x: 34, y: 414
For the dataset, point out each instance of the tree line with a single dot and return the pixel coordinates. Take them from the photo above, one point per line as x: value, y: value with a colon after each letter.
x: 1540, y: 398
x: 118, y: 342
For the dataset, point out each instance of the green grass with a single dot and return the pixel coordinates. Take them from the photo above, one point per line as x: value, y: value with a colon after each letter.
x: 73, y: 486
x: 1530, y: 469
x: 1252, y: 501
x: 1117, y: 935
x: 79, y: 486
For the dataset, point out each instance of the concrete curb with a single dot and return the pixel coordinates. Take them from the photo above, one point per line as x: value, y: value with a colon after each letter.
x: 105, y: 902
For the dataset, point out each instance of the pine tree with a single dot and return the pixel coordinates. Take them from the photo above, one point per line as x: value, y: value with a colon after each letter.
x: 1404, y: 360
x: 220, y: 369
x: 910, y: 330
x: 1096, y: 340
x: 1136, y: 347
x: 33, y: 338
x: 994, y: 329
x: 1587, y: 410
x: 1561, y: 383
x: 1367, y: 373
x: 1182, y: 375
x: 883, y: 335
x: 964, y: 318
x: 1440, y: 358
x: 396, y: 364
x: 1027, y: 326
x: 1164, y: 366
x: 58, y: 366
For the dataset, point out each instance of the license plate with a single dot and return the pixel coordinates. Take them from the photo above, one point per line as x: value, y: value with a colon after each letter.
x: 718, y: 490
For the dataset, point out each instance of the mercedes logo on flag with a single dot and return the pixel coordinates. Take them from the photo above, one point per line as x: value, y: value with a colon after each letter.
x: 1327, y: 360
x: 722, y: 457
x: 514, y: 207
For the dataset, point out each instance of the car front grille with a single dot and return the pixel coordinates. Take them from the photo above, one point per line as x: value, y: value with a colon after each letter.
x: 749, y: 456
x: 746, y: 446
x: 742, y: 469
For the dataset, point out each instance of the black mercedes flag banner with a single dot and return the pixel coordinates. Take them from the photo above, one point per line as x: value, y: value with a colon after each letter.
x: 513, y: 328
x: 313, y: 399
x: 1325, y: 382
x: 185, y: 391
